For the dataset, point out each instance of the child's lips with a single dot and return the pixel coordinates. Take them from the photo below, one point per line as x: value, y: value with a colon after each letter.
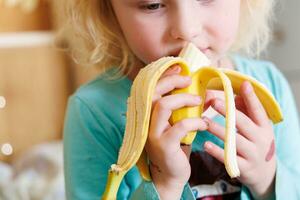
x: 203, y: 50
x: 175, y: 54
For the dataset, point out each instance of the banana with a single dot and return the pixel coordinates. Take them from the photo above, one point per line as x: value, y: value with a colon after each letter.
x: 139, y: 103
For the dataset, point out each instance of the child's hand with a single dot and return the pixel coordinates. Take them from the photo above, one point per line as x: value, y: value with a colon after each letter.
x: 255, y: 142
x: 170, y: 168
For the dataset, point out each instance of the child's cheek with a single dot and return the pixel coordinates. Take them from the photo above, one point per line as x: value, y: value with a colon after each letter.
x: 146, y: 45
x: 224, y: 28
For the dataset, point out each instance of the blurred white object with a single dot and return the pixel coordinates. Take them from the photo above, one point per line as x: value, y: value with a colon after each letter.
x: 36, y: 175
x: 2, y: 102
x: 7, y: 149
x: 26, y: 5
x: 26, y: 39
x: 6, y: 174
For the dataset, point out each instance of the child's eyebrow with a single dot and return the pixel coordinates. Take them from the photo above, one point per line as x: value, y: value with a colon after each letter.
x: 131, y: 2
x: 139, y: 1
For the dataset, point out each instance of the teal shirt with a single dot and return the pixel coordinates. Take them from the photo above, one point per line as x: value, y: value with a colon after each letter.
x: 95, y: 124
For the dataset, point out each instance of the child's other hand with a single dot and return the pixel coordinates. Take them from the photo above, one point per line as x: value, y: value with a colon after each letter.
x: 170, y: 168
x: 255, y: 142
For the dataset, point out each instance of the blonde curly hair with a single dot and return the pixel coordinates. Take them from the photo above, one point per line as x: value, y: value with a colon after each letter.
x: 96, y: 39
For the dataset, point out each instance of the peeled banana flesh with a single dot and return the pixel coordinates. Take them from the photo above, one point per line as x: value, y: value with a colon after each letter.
x: 193, y: 63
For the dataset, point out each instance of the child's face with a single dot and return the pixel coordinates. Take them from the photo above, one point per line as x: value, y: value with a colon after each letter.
x: 157, y: 28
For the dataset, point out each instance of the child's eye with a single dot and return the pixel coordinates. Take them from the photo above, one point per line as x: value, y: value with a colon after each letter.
x: 152, y: 6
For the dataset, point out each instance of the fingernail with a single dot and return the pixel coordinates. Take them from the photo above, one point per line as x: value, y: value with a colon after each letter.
x: 187, y: 78
x: 248, y: 88
x: 176, y: 68
x: 206, y: 121
x: 207, y: 146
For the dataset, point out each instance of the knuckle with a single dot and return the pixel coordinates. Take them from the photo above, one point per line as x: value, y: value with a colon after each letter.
x: 161, y: 104
x: 156, y: 97
x: 187, y: 97
x: 257, y: 108
x: 177, y: 78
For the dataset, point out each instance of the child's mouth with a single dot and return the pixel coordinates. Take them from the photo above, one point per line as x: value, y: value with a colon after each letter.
x: 205, y: 50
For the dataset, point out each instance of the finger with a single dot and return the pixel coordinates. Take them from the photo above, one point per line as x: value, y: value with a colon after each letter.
x: 254, y: 107
x: 212, y: 94
x: 209, y: 95
x: 218, y: 153
x: 175, y: 69
x: 171, y: 82
x: 243, y: 145
x: 243, y: 123
x: 215, y: 151
x: 163, y: 109
x: 208, y: 111
x: 240, y: 105
x: 181, y: 128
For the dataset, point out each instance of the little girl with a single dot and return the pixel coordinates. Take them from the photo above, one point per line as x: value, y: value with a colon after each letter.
x: 122, y: 36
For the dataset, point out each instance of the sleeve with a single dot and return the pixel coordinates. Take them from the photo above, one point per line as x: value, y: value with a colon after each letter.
x: 147, y: 191
x: 91, y: 145
x: 287, y: 135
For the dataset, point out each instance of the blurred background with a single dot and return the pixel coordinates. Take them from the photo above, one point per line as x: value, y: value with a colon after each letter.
x: 36, y: 80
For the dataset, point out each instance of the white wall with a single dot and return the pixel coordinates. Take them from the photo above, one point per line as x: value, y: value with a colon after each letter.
x: 285, y: 50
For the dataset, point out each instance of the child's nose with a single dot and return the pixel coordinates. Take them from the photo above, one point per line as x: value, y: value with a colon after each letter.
x: 185, y: 25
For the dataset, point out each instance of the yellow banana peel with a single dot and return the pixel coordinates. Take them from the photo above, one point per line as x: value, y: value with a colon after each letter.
x: 193, y: 63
